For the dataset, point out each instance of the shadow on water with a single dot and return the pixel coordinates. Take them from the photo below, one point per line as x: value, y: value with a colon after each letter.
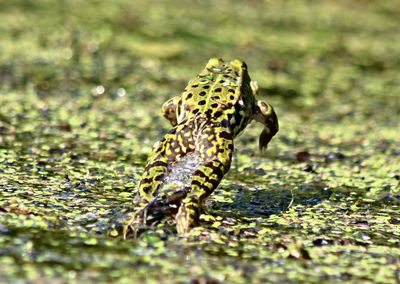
x: 252, y: 202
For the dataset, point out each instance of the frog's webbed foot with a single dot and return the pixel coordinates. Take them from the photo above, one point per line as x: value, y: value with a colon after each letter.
x: 265, y: 114
x: 165, y: 205
x: 132, y: 224
x: 127, y: 226
x: 170, y: 108
x: 149, y: 215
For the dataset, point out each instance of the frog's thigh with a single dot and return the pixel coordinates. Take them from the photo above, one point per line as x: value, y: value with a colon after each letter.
x: 215, y: 147
x: 170, y: 149
x: 152, y: 177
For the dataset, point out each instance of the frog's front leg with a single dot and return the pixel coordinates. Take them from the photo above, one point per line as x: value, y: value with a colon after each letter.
x: 215, y: 147
x: 265, y: 114
x: 170, y: 110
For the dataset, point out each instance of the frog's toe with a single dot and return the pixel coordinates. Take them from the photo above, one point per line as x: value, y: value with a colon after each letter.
x: 185, y: 219
x: 182, y: 223
x: 117, y: 229
x: 125, y: 227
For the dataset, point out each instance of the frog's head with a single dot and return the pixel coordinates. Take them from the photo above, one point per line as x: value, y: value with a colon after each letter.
x: 217, y: 65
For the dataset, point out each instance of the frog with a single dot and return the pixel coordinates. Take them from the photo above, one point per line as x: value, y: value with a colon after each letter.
x: 213, y: 109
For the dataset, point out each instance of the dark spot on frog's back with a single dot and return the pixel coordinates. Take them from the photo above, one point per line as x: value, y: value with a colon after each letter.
x: 218, y: 114
x: 202, y: 93
x: 214, y: 105
x: 202, y: 103
x: 231, y: 91
x: 195, y: 86
x: 217, y: 90
x: 206, y: 87
x: 189, y: 96
x: 225, y: 135
x: 225, y: 123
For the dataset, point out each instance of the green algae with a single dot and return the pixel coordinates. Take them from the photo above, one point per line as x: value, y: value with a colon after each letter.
x: 81, y: 87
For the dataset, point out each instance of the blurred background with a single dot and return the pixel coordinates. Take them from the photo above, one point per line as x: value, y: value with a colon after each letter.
x: 340, y: 56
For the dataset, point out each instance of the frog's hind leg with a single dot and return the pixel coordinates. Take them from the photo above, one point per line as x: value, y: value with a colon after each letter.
x: 170, y: 149
x: 215, y: 146
x: 152, y: 178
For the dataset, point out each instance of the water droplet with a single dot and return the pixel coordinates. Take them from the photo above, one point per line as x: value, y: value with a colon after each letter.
x: 121, y: 92
x: 100, y: 90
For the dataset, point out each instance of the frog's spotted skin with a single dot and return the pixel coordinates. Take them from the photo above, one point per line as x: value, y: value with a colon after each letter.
x: 214, y: 108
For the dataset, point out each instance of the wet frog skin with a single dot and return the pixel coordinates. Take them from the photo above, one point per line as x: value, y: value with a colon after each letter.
x: 214, y: 108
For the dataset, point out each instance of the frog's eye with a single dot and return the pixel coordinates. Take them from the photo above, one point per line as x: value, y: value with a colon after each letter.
x: 214, y: 62
x: 254, y: 87
x: 239, y: 65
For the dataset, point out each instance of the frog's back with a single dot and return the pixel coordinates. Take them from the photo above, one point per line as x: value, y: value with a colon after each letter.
x: 216, y: 90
